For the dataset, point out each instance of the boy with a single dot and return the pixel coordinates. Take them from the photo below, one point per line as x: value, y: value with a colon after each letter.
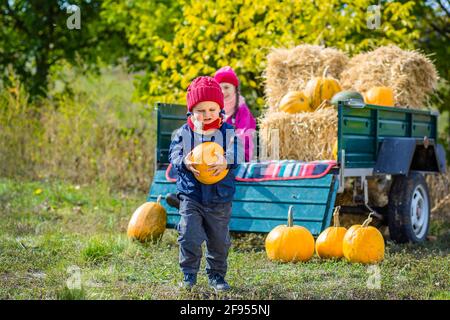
x: 205, y: 209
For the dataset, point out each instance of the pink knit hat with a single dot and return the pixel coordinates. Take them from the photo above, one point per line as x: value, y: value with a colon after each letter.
x: 204, y: 89
x: 227, y: 74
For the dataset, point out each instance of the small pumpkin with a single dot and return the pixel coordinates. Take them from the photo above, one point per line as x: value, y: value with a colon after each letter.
x: 363, y: 243
x: 294, y: 102
x: 382, y: 96
x: 148, y: 222
x: 345, y: 96
x: 203, y: 156
x: 329, y: 242
x: 289, y: 243
x: 322, y: 88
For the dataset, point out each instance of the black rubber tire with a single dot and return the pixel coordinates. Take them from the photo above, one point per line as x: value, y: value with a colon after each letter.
x: 399, y: 208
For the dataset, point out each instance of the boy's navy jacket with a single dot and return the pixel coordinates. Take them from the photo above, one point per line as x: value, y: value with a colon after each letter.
x: 183, y: 141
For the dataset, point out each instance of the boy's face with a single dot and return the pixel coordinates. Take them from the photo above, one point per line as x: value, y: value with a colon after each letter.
x: 206, y: 111
x: 228, y: 90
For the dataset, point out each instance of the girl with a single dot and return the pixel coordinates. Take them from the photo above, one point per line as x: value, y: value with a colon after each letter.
x: 236, y: 111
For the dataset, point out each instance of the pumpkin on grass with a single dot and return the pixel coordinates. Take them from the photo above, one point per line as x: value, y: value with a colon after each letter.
x: 148, y: 222
x: 322, y: 88
x: 203, y: 156
x: 294, y: 102
x: 363, y: 243
x: 382, y: 96
x: 289, y: 243
x: 329, y: 242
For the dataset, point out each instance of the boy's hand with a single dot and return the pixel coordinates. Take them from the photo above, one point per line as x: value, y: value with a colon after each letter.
x: 219, y: 166
x: 190, y: 165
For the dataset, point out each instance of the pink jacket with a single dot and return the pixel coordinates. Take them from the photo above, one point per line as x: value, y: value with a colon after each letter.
x: 245, y: 126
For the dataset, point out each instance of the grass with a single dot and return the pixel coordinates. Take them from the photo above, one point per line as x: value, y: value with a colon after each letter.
x: 64, y: 241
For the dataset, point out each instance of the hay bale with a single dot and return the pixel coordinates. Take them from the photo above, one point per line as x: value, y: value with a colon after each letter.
x: 379, y: 187
x: 306, y: 136
x: 439, y: 189
x: 290, y: 69
x: 410, y: 74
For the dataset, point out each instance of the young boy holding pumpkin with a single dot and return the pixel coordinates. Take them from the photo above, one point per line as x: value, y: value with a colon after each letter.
x: 205, y: 209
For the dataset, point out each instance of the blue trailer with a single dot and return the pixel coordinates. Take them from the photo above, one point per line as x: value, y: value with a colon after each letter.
x: 372, y: 141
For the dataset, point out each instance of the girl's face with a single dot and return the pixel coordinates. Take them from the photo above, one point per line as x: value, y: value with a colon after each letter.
x: 228, y: 90
x: 206, y: 111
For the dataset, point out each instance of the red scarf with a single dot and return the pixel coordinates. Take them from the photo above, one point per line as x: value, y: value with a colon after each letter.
x: 216, y: 124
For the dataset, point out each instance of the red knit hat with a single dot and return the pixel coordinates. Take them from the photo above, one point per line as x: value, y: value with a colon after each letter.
x: 204, y: 89
x: 227, y: 74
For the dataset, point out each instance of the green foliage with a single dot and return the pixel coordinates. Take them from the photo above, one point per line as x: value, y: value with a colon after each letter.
x: 433, y: 22
x: 441, y: 101
x: 240, y: 33
x: 97, y: 250
x: 71, y: 294
x: 34, y: 38
x: 433, y: 25
x: 19, y: 126
x: 143, y: 23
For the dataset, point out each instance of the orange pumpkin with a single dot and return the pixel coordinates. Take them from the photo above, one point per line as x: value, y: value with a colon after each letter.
x: 294, y: 102
x: 203, y: 156
x: 382, y: 96
x: 329, y: 242
x: 363, y: 243
x: 148, y: 222
x: 289, y: 243
x: 322, y: 88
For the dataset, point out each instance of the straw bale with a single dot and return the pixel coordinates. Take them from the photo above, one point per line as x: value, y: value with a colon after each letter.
x: 305, y: 136
x: 410, y: 74
x: 290, y: 69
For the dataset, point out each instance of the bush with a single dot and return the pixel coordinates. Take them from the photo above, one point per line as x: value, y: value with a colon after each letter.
x: 95, y: 133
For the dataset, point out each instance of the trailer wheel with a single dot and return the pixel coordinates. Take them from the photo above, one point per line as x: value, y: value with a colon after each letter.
x: 409, y: 209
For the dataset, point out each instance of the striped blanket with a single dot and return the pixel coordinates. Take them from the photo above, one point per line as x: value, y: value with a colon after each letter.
x: 274, y: 170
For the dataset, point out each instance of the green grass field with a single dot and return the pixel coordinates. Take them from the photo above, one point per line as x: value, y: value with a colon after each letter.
x: 63, y: 241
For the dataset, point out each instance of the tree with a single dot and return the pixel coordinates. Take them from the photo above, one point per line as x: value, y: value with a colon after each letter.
x: 34, y: 37
x: 143, y: 23
x: 211, y: 34
x: 434, y: 28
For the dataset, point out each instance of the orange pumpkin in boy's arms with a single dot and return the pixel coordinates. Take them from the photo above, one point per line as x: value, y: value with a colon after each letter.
x: 203, y: 156
x: 148, y: 222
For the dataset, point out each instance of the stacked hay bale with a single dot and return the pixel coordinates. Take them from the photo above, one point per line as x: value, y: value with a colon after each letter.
x: 306, y: 136
x: 410, y: 74
x: 290, y: 69
x: 309, y: 136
